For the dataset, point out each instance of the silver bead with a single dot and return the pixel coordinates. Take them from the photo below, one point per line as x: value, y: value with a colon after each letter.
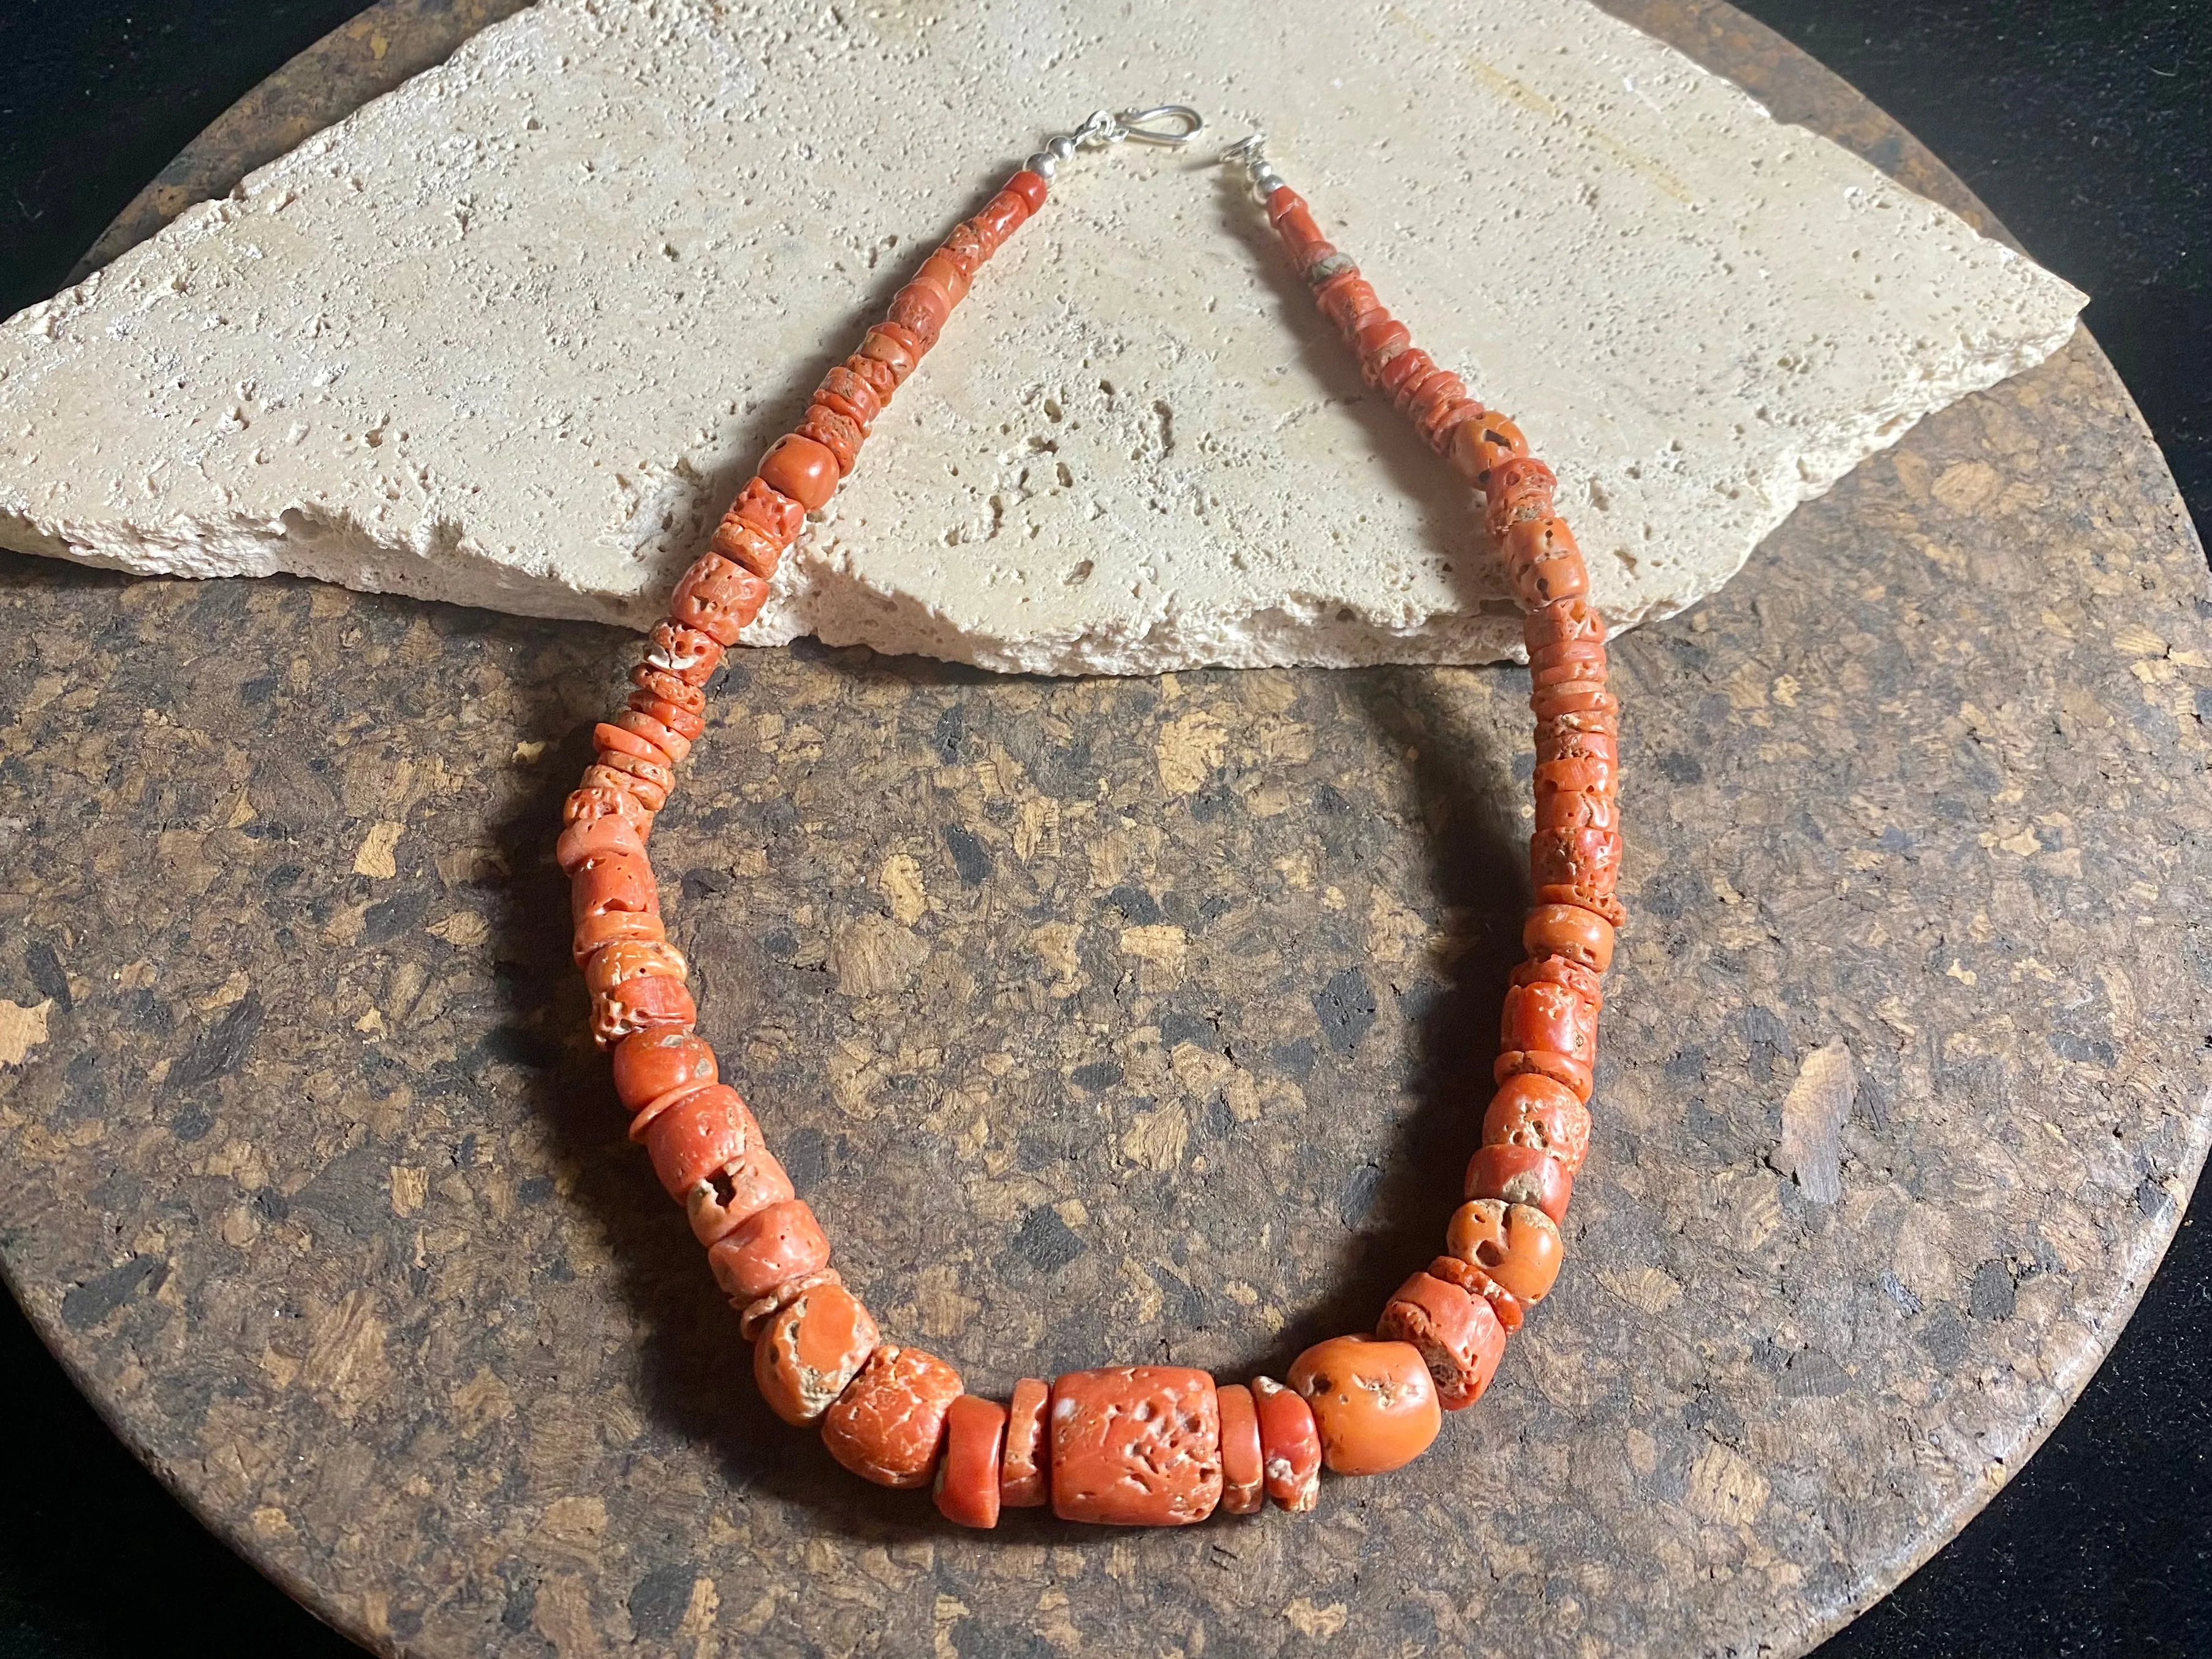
x: 1042, y: 165
x: 1063, y: 147
x: 1265, y: 180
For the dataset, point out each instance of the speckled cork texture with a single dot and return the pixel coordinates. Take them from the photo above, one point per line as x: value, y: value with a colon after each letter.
x: 1128, y: 1021
x: 515, y: 335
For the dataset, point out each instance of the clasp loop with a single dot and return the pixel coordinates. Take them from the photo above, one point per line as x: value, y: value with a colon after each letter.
x: 1163, y: 123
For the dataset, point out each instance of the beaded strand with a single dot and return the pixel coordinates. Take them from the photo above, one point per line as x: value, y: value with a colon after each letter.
x: 1129, y: 1445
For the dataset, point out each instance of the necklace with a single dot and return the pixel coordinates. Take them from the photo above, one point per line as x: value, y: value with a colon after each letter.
x: 1130, y: 1445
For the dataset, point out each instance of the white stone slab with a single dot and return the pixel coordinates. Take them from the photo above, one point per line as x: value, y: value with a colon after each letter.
x: 513, y: 335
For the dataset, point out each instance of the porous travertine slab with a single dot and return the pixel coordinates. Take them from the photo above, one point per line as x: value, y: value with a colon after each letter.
x: 513, y: 335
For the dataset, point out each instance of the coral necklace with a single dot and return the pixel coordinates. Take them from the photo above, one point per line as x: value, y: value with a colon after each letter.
x: 1130, y: 1445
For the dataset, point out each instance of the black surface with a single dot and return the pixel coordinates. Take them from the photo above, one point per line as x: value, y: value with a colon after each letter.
x: 2088, y: 127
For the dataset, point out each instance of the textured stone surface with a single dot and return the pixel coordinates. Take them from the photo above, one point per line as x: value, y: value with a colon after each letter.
x: 1128, y: 1022
x: 511, y: 335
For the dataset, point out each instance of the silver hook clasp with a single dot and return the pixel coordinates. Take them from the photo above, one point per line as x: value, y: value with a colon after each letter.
x: 1143, y: 125
x: 1164, y: 124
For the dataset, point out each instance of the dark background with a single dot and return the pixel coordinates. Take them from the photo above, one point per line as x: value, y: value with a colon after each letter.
x: 2086, y: 126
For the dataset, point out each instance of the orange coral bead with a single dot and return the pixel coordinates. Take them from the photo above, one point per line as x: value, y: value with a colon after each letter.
x: 1563, y: 619
x: 685, y: 652
x: 1520, y: 1174
x: 1030, y: 187
x: 1135, y: 1446
x: 779, y: 1242
x: 723, y: 1202
x: 645, y: 1003
x: 718, y: 596
x: 1480, y: 444
x: 1475, y: 1282
x: 1541, y: 1113
x: 587, y: 802
x: 1577, y: 809
x: 801, y: 469
x: 922, y: 308
x: 1243, y: 1472
x: 852, y: 395
x: 1551, y: 1018
x: 1576, y: 856
x: 632, y: 960
x: 586, y: 839
x: 1517, y: 1244
x: 1002, y: 215
x: 615, y: 881
x: 691, y: 1139
x: 1289, y: 1445
x: 649, y: 781
x: 745, y: 543
x: 683, y: 721
x: 651, y: 1064
x: 944, y: 272
x: 1541, y: 560
x: 754, y: 1317
x: 1458, y: 1336
x: 1022, y: 1478
x: 595, y: 933
x: 769, y: 510
x: 967, y: 1474
x: 893, y: 347
x: 1373, y: 1402
x: 839, y: 435
x: 888, y: 1425
x: 611, y: 739
x: 811, y: 1349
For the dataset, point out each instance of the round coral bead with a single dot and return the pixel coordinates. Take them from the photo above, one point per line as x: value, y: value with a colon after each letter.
x: 967, y: 1473
x: 1569, y: 931
x: 814, y: 1347
x: 1373, y: 1402
x: 801, y: 469
x: 1520, y: 1174
x: 1517, y: 1244
x: 650, y: 1063
x: 736, y: 1193
x: 697, y: 1135
x: 1540, y: 1113
x: 780, y: 1242
x: 888, y: 1425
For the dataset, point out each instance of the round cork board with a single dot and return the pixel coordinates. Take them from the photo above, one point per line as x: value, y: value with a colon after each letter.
x: 1121, y: 1021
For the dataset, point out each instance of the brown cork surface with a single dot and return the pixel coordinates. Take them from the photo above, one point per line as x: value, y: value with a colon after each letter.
x: 1126, y: 1021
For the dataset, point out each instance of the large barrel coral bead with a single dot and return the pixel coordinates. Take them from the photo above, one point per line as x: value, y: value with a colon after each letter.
x: 811, y: 1349
x: 1373, y: 1402
x: 888, y: 1425
x: 1135, y: 1446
